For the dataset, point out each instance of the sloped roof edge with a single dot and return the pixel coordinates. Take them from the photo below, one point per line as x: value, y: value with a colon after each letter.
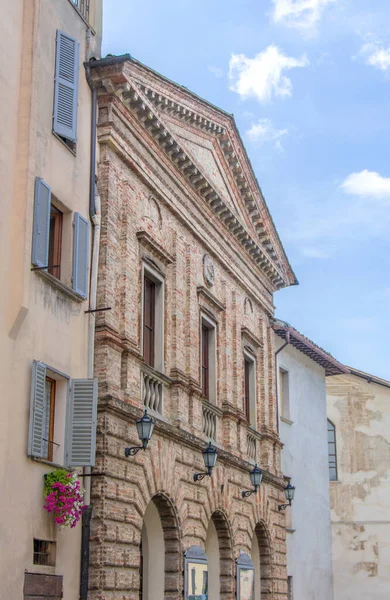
x: 309, y: 348
x: 369, y: 378
x: 112, y: 60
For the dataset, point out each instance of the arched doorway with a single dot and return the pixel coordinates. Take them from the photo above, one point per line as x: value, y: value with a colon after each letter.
x: 220, y: 558
x: 160, y: 549
x: 261, y: 558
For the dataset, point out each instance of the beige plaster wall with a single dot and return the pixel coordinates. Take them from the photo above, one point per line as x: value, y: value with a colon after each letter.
x: 360, y: 498
x: 38, y: 321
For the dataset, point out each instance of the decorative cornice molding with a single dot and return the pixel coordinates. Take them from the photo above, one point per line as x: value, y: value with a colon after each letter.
x: 146, y: 240
x: 209, y: 297
x: 131, y: 94
x: 255, y: 341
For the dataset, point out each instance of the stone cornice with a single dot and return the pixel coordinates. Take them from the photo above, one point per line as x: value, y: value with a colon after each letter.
x: 148, y: 115
x: 164, y: 429
x: 146, y: 240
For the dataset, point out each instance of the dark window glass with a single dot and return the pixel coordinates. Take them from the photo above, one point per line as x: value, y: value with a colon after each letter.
x: 149, y: 320
x: 55, y: 240
x: 247, y: 367
x: 205, y: 361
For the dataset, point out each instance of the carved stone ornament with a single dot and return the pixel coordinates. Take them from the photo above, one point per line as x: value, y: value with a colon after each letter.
x: 208, y: 270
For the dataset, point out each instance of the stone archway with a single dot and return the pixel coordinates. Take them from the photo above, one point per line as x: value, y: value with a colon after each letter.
x: 219, y: 552
x: 161, y: 555
x: 262, y: 561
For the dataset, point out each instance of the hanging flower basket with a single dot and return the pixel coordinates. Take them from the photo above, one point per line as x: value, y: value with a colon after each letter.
x: 63, y: 497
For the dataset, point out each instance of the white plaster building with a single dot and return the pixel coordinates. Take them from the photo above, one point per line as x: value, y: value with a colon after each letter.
x: 302, y: 369
x: 359, y: 423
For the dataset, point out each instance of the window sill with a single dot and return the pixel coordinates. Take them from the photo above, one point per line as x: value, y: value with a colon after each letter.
x: 62, y: 287
x: 286, y: 420
x: 289, y: 530
x: 334, y: 481
x: 45, y: 461
x: 63, y: 143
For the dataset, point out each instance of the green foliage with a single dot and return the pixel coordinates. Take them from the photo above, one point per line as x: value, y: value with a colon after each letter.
x: 59, y: 475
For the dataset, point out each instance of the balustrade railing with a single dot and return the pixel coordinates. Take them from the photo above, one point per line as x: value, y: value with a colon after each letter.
x: 251, y: 445
x: 152, y: 392
x: 210, y: 418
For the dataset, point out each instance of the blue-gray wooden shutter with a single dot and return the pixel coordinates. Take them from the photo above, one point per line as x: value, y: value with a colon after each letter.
x: 80, y: 255
x: 37, y: 409
x: 41, y: 226
x: 66, y: 86
x: 82, y: 418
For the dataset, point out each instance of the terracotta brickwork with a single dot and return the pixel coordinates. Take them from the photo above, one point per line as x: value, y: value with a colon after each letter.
x: 154, y: 216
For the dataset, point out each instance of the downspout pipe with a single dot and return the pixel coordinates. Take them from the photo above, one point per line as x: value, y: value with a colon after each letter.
x: 286, y: 343
x: 94, y: 213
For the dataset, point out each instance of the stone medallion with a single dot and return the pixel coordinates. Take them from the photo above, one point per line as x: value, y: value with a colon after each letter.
x: 208, y: 270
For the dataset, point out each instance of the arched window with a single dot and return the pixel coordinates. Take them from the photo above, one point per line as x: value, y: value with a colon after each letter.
x: 332, y: 457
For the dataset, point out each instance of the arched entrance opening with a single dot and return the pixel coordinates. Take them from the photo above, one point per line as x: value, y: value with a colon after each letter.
x: 160, y: 551
x: 220, y: 558
x: 261, y: 558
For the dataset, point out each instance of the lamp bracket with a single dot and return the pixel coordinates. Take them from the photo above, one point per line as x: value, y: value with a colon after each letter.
x: 247, y: 493
x: 283, y: 506
x: 133, y: 451
x: 200, y: 476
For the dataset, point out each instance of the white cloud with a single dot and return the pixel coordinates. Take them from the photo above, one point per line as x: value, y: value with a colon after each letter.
x: 313, y: 252
x: 262, y: 76
x: 216, y: 71
x: 301, y: 14
x: 263, y: 131
x: 367, y: 184
x: 376, y: 55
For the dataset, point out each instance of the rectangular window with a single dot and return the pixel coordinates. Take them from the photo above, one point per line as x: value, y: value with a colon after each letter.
x: 290, y: 593
x: 250, y: 388
x: 208, y: 358
x: 55, y: 242
x: 66, y: 88
x: 48, y: 418
x: 332, y: 456
x: 152, y: 326
x: 52, y: 240
x: 63, y: 415
x: 284, y: 393
x: 44, y: 553
x: 149, y: 320
x: 205, y: 361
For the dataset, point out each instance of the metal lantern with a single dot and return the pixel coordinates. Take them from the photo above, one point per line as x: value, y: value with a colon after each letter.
x: 145, y: 426
x: 209, y: 457
x: 289, y: 492
x: 256, y: 477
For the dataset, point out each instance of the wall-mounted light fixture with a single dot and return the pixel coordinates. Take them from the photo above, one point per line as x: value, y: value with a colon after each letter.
x: 289, y: 492
x: 256, y: 476
x: 145, y: 427
x: 209, y: 458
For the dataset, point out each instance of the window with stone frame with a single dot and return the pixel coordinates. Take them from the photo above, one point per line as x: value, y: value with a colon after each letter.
x: 284, y: 393
x: 250, y: 388
x: 208, y: 358
x: 153, y: 285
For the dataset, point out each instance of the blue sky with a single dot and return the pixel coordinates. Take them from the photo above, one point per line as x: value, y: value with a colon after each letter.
x: 308, y: 82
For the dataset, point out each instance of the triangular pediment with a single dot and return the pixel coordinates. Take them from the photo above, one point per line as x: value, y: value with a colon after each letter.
x: 203, y: 153
x: 203, y: 144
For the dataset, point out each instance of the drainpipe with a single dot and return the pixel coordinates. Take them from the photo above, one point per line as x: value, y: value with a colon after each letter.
x: 94, y: 213
x: 277, y: 376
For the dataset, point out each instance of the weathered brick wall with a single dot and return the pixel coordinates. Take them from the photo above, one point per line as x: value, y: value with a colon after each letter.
x: 149, y: 215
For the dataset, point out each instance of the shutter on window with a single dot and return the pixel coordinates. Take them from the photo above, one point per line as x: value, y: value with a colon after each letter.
x: 37, y: 407
x: 65, y: 86
x: 41, y: 227
x: 81, y: 436
x: 80, y: 255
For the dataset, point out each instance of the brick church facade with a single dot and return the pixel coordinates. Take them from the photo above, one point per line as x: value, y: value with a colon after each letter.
x: 189, y: 262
